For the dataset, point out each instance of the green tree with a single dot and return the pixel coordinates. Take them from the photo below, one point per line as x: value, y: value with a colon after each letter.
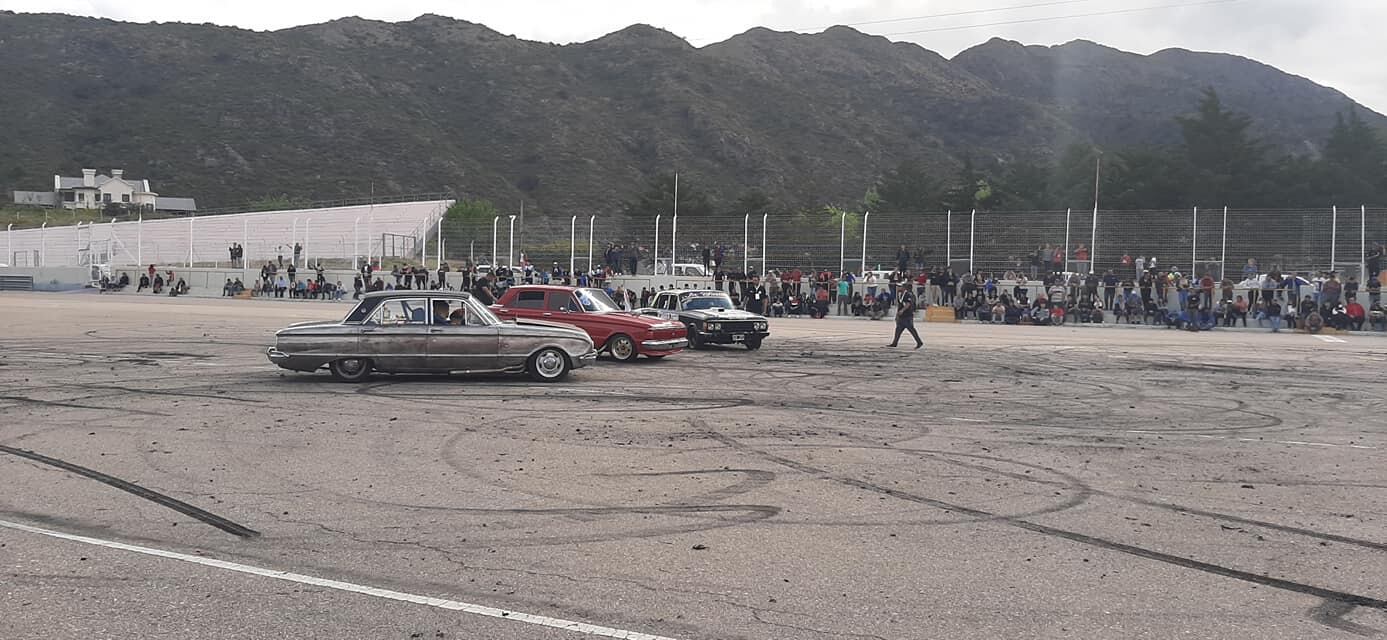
x: 908, y: 188
x: 658, y: 199
x: 754, y: 202
x: 1224, y: 161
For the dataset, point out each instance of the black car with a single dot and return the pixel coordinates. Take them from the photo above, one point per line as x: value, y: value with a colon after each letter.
x: 711, y: 318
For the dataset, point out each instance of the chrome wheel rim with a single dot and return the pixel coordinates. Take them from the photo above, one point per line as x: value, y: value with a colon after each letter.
x: 622, y: 348
x: 549, y: 363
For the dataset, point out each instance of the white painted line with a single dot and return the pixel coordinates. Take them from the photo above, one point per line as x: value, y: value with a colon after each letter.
x: 967, y: 420
x: 453, y: 605
x: 1329, y: 339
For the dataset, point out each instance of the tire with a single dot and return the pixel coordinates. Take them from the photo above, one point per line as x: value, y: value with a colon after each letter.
x: 695, y: 343
x: 549, y: 364
x: 623, y: 348
x: 753, y: 343
x: 350, y: 369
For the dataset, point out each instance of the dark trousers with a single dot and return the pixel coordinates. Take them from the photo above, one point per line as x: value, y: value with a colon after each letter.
x: 902, y: 327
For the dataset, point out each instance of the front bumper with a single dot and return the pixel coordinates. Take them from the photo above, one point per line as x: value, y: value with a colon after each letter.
x: 728, y: 337
x: 585, y: 359
x: 664, y: 345
x: 275, y: 355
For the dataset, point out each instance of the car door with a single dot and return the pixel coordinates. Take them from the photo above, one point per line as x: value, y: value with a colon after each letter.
x: 562, y: 306
x: 396, y: 338
x: 526, y: 304
x: 466, y: 342
x: 668, y: 306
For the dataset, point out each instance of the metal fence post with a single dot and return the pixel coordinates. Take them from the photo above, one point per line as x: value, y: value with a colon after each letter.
x: 842, y: 241
x: 1093, y: 243
x: 9, y: 251
x: 949, y: 238
x: 764, y: 248
x: 746, y: 243
x: 1223, y: 252
x: 43, y: 244
x: 1363, y: 245
x: 438, y: 237
x: 1194, y: 245
x: 305, y: 241
x: 139, y: 241
x: 245, y: 240
x: 655, y: 266
x: 972, y: 231
x: 494, y: 221
x: 572, y: 244
x: 865, y: 215
x: 356, y: 243
x: 1068, y: 214
x: 190, y: 240
x: 592, y: 224
x: 1334, y: 237
x: 674, y: 239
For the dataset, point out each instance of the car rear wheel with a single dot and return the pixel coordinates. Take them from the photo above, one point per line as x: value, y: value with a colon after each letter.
x: 622, y: 347
x: 753, y: 343
x: 548, y: 365
x: 350, y: 369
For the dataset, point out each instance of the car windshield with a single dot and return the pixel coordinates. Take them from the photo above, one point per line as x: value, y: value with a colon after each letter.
x: 478, y: 311
x: 595, y: 301
x: 698, y: 301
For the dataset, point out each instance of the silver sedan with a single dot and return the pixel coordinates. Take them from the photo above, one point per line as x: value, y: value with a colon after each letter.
x: 430, y: 332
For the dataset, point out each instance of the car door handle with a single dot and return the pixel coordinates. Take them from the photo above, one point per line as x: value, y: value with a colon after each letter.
x: 548, y: 315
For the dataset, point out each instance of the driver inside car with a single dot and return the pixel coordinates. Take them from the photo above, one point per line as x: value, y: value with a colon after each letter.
x: 440, y: 312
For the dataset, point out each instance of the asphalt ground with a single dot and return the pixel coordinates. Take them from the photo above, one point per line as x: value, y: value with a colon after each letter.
x: 1002, y: 482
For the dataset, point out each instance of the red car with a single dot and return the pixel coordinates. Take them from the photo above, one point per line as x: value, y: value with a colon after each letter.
x: 623, y: 334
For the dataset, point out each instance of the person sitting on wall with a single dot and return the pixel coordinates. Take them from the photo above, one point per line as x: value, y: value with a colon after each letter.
x: 158, y: 286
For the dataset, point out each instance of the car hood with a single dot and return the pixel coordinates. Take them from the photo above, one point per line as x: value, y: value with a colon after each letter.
x: 305, y: 327
x: 723, y: 314
x: 557, y: 329
x: 632, y: 318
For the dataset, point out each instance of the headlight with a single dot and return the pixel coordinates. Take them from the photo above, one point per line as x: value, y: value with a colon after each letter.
x: 761, y: 326
x: 711, y: 326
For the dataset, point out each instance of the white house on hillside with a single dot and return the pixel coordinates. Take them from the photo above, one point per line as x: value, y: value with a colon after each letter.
x: 94, y: 191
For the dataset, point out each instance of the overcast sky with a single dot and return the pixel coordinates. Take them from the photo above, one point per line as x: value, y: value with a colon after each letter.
x: 1333, y: 42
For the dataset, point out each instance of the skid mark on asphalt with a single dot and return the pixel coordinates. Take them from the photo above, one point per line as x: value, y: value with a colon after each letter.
x: 441, y: 603
x: 1073, y: 536
x: 1290, y: 442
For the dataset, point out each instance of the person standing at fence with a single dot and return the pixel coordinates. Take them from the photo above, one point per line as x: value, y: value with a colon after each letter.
x: 1109, y: 289
x: 905, y: 318
x: 1081, y: 259
x: 844, y: 295
x: 1374, y: 261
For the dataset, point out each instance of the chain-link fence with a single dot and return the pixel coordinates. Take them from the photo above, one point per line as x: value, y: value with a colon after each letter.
x: 1190, y: 240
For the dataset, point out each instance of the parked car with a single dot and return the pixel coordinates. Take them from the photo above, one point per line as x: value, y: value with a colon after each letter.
x: 624, y: 335
x: 710, y: 318
x: 430, y: 332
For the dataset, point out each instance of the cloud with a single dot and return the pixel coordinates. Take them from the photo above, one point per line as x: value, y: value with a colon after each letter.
x: 1333, y: 43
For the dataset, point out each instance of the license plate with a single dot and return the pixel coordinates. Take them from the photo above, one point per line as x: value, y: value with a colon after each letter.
x: 739, y: 337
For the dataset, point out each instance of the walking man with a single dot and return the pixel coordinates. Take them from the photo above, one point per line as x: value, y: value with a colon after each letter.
x: 905, y: 318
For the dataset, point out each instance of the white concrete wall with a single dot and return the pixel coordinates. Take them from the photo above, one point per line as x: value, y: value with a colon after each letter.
x: 326, y: 233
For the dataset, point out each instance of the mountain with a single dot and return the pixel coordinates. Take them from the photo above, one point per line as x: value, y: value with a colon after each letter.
x: 328, y: 110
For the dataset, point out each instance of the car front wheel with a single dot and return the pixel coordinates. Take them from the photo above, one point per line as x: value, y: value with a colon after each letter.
x: 350, y: 369
x: 623, y: 348
x: 548, y: 365
x: 695, y: 343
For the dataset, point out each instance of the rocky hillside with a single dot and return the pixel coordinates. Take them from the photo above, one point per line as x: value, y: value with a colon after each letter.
x: 322, y: 111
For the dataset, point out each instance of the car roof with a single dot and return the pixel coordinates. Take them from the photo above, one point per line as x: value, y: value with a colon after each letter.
x: 415, y: 293
x: 544, y: 287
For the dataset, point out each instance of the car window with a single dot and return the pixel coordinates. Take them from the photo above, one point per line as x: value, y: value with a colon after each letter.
x: 405, y: 311
x: 561, y: 301
x: 363, y: 311
x: 529, y: 300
